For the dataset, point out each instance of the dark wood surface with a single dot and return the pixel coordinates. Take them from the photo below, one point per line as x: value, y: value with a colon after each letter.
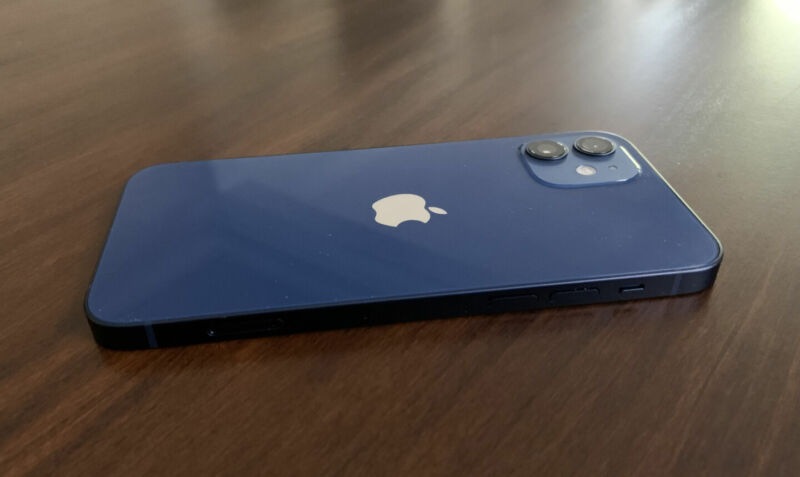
x: 93, y: 90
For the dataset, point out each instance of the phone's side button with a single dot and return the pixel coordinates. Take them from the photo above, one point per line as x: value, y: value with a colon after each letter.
x: 577, y: 296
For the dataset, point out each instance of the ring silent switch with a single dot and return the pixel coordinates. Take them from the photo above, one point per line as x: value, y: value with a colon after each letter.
x: 577, y: 296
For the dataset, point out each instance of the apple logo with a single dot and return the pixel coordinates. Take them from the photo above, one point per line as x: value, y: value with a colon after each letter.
x: 396, y: 209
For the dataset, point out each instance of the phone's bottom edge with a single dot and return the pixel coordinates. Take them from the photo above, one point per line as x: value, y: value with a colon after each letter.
x: 210, y: 330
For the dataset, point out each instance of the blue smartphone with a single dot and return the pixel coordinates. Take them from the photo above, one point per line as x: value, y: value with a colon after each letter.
x: 232, y: 248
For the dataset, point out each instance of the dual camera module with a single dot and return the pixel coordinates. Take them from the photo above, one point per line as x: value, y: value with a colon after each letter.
x: 548, y: 150
x: 578, y: 160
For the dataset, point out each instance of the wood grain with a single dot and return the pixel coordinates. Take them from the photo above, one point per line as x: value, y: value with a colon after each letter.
x: 709, y: 384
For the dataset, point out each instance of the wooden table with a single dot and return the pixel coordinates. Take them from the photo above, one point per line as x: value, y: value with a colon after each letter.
x: 93, y: 90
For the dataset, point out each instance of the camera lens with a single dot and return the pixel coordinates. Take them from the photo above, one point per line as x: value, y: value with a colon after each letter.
x: 595, y: 146
x: 546, y: 150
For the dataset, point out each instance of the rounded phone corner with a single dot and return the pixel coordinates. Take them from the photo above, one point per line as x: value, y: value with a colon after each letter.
x: 143, y: 173
x: 703, y: 275
x: 93, y: 315
x: 717, y: 260
x: 117, y: 336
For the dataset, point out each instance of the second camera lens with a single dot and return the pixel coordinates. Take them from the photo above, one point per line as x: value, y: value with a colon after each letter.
x: 546, y: 150
x: 594, y: 146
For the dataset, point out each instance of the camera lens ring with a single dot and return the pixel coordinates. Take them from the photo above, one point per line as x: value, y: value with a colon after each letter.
x: 594, y: 146
x: 546, y: 150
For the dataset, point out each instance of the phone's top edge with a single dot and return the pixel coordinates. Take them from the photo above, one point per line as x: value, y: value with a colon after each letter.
x: 391, y: 146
